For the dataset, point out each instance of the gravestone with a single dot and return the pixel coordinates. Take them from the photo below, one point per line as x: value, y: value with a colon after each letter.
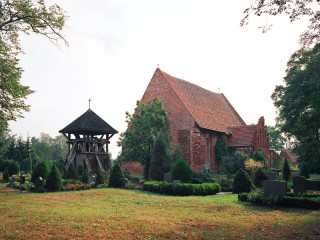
x: 167, y: 177
x: 134, y: 180
x: 277, y: 188
x: 299, y: 185
x: 91, y: 179
x: 22, y: 179
x: 313, y: 185
x: 39, y: 184
x: 271, y: 175
x: 176, y: 181
x: 294, y: 174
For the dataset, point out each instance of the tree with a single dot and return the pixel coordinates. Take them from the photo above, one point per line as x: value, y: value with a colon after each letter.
x: 41, y: 170
x: 242, y: 182
x: 181, y: 171
x: 295, y: 11
x: 144, y: 125
x: 13, y: 93
x: 22, y: 16
x: 177, y: 154
x: 286, y: 172
x: 221, y: 150
x: 304, y: 170
x: 54, y: 180
x: 298, y: 104
x: 160, y: 159
x: 276, y: 139
x: 116, y: 177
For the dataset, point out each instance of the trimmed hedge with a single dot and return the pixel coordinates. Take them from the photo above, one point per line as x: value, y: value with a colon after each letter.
x: 305, y: 201
x: 182, y: 189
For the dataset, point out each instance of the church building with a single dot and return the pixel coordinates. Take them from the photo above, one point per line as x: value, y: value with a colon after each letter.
x: 199, y: 117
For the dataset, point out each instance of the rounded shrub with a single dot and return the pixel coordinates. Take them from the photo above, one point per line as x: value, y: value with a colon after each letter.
x: 259, y: 177
x: 116, y: 177
x: 181, y: 171
x: 12, y: 166
x: 242, y: 182
x: 54, y: 180
x: 304, y: 170
x: 41, y: 170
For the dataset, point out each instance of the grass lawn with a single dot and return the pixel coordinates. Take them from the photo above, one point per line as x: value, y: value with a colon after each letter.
x: 124, y: 214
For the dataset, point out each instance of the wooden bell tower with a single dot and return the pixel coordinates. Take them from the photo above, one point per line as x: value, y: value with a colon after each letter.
x: 88, y: 137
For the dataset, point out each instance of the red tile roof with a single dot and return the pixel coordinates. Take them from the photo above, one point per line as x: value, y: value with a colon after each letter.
x: 210, y: 110
x: 242, y: 136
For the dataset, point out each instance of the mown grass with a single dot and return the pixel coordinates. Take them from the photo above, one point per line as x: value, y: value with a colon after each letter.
x: 124, y: 214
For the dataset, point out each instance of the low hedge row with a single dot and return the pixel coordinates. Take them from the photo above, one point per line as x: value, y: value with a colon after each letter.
x: 303, y: 201
x: 182, y: 189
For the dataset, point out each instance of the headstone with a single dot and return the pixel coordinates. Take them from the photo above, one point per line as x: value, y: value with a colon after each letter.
x: 134, y: 180
x: 176, y: 181
x: 22, y: 179
x: 299, y: 185
x: 211, y: 180
x: 294, y: 174
x: 313, y: 185
x: 277, y: 188
x: 272, y: 175
x: 167, y: 177
x: 91, y: 179
x: 39, y: 184
x: 124, y: 181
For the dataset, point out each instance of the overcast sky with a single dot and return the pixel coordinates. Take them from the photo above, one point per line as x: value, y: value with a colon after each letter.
x: 116, y: 45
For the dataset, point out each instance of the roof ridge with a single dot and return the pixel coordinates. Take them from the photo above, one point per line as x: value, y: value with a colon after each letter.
x: 164, y: 75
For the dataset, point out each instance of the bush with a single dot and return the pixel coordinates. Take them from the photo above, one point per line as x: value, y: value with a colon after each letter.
x: 12, y: 166
x: 54, y: 180
x: 41, y: 170
x: 183, y: 189
x: 181, y: 171
x: 286, y: 172
x: 199, y: 177
x: 242, y: 182
x: 116, y: 177
x: 71, y: 173
x: 259, y: 177
x: 304, y: 170
x: 99, y: 179
x: 306, y: 201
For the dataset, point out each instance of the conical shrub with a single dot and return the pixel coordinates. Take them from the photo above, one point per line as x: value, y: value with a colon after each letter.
x: 116, y: 177
x: 242, y: 182
x: 41, y: 170
x: 54, y: 180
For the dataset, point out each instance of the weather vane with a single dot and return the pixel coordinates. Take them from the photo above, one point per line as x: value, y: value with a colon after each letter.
x: 89, y: 102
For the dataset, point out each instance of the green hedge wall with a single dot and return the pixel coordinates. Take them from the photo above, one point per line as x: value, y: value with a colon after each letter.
x: 182, y: 189
x: 306, y: 201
